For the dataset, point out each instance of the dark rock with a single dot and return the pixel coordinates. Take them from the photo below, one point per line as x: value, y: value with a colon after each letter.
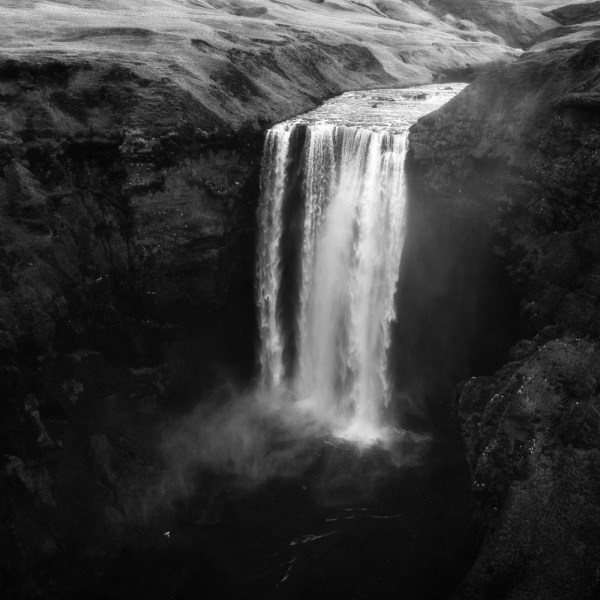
x: 532, y: 440
x: 101, y: 457
x: 513, y: 153
x: 519, y: 160
x: 33, y: 479
x: 26, y: 201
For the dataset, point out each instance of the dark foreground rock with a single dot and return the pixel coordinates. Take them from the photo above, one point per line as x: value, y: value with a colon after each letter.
x: 532, y: 438
x: 516, y: 156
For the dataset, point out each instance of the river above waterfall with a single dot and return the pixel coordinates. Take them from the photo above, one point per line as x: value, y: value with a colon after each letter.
x: 394, y: 110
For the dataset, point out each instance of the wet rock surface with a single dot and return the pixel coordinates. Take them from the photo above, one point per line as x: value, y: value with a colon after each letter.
x: 514, y: 157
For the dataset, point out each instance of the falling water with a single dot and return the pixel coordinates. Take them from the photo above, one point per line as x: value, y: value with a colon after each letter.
x: 273, y: 180
x: 349, y: 158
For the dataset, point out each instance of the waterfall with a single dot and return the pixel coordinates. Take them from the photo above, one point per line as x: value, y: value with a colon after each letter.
x: 273, y: 180
x: 354, y: 199
x: 335, y: 193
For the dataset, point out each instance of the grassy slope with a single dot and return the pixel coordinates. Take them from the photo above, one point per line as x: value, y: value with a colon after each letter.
x: 253, y: 60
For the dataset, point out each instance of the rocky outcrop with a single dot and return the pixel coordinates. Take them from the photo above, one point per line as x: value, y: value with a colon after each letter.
x: 532, y: 440
x: 514, y: 156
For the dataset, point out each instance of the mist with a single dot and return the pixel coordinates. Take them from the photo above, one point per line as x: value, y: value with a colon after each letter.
x: 248, y: 438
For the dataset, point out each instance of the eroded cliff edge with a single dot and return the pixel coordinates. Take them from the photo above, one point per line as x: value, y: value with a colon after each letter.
x: 516, y: 157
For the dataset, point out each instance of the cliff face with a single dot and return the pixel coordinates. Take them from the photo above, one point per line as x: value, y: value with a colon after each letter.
x: 518, y: 149
x: 516, y: 156
x: 127, y: 235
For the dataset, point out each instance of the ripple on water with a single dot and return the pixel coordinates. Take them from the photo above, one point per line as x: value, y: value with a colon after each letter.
x: 384, y: 109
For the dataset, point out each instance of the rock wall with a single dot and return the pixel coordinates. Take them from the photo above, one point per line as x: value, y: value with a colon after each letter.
x: 515, y: 157
x: 126, y: 288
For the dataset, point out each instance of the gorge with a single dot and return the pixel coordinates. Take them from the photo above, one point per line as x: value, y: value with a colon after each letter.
x: 131, y: 138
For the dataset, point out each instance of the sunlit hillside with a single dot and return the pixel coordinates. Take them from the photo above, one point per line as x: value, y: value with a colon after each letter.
x: 254, y: 59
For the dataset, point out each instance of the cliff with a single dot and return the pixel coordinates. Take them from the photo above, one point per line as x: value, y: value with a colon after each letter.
x: 515, y: 156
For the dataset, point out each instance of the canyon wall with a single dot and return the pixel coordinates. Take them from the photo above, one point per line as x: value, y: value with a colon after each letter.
x: 515, y: 157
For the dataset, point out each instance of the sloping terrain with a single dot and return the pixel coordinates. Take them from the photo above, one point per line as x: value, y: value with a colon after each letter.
x: 254, y: 60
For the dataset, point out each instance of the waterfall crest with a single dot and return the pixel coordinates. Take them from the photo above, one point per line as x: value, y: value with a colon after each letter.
x: 333, y: 198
